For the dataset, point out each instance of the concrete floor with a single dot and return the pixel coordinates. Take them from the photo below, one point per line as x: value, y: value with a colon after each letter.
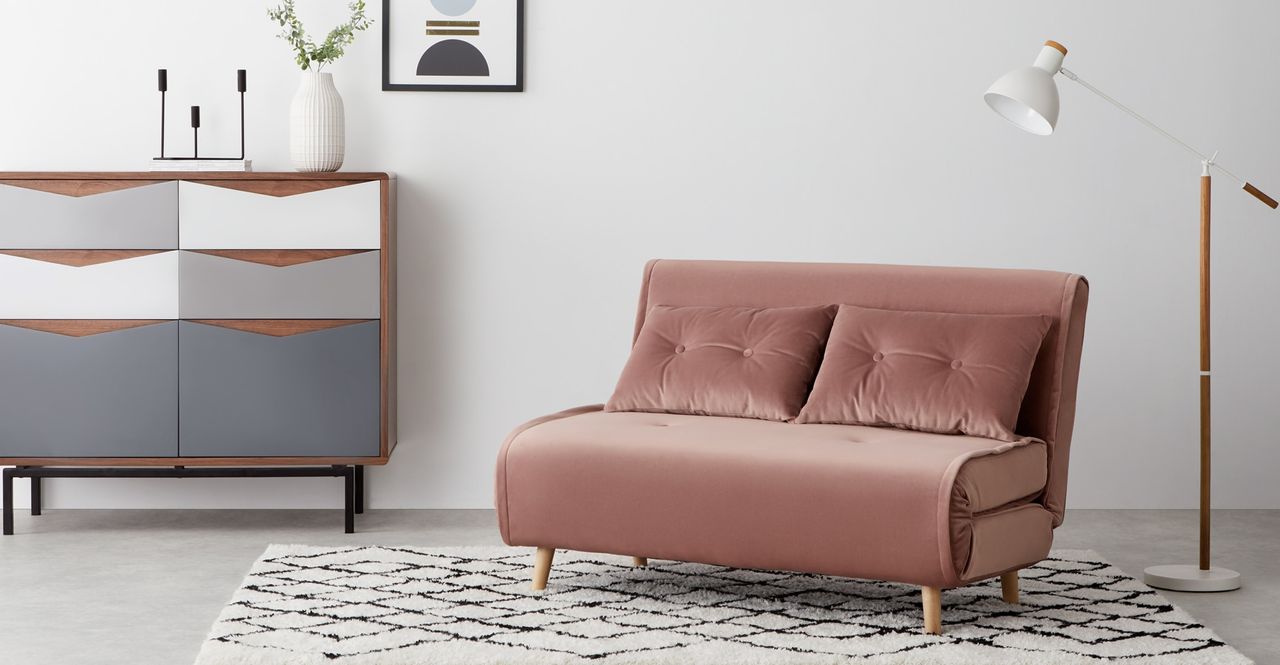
x: 103, y: 587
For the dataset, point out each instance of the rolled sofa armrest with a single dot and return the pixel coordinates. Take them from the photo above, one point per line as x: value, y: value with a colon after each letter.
x: 500, y: 480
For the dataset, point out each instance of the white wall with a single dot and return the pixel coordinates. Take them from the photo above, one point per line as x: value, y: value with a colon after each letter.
x: 808, y: 130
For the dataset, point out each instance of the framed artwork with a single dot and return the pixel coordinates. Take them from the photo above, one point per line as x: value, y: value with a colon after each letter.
x: 453, y: 45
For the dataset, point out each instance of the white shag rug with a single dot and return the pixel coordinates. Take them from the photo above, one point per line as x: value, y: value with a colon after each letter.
x: 304, y: 605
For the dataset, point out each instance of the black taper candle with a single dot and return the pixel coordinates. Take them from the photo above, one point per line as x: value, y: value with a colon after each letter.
x: 195, y: 132
x: 241, y: 85
x: 162, y: 79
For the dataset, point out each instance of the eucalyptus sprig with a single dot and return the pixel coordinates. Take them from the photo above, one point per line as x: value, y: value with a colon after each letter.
x: 306, y: 52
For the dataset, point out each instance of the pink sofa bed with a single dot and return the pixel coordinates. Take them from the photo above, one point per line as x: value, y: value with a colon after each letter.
x: 934, y: 510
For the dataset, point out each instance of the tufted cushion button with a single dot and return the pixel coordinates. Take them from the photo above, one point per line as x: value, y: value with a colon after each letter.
x: 956, y: 364
x: 877, y: 356
x: 679, y: 348
x: 747, y: 353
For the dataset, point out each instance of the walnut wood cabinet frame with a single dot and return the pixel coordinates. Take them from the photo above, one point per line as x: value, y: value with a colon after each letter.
x: 271, y: 184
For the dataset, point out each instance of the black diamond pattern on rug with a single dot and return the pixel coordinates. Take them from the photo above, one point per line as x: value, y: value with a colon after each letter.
x: 358, y: 605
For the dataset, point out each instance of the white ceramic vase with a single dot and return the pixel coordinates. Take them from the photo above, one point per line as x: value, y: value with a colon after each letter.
x: 317, y: 127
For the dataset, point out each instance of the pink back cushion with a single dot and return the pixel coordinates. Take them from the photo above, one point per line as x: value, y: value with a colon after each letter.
x: 927, y: 371
x: 1048, y: 409
x: 724, y: 361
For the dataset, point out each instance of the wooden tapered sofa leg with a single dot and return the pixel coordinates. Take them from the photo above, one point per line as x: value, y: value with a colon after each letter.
x: 932, y: 598
x: 639, y: 561
x: 1009, y: 587
x: 542, y: 567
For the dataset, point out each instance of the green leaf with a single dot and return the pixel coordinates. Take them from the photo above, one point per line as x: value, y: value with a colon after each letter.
x: 334, y: 45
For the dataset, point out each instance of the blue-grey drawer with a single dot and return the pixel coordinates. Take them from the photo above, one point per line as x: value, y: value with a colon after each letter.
x: 279, y: 394
x: 144, y: 217
x: 105, y: 394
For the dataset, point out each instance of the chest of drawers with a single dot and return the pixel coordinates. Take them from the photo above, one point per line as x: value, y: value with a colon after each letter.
x: 196, y: 320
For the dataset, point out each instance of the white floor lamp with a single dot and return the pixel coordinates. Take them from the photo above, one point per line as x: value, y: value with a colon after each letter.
x: 1028, y: 97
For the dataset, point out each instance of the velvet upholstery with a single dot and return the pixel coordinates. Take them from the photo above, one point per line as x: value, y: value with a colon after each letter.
x: 869, y: 502
x: 874, y: 502
x: 928, y: 371
x: 1049, y: 406
x: 749, y: 362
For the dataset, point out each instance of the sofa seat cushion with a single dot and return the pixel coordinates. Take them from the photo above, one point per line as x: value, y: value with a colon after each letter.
x: 845, y: 500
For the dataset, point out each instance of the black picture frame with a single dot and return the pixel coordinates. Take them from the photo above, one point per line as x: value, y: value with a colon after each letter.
x: 387, y: 85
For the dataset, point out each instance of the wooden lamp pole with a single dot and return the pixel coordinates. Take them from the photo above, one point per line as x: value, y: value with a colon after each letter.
x: 1203, y: 577
x: 1028, y: 97
x: 1206, y: 187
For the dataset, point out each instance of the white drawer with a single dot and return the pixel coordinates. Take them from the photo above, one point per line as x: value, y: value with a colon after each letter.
x: 143, y: 287
x: 347, y: 217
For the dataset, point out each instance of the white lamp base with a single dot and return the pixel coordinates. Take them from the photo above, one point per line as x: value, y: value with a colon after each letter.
x: 1191, y: 578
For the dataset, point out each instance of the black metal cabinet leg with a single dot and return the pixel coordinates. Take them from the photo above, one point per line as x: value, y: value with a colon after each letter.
x: 35, y: 495
x: 359, y: 489
x: 349, y: 512
x: 6, y: 497
x: 351, y: 475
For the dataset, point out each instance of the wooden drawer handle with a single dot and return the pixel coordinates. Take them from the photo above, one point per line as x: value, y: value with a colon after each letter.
x: 279, y: 327
x: 79, y: 327
x: 79, y: 258
x: 279, y: 258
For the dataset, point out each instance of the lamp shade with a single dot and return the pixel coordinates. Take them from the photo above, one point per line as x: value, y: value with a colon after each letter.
x: 1028, y: 96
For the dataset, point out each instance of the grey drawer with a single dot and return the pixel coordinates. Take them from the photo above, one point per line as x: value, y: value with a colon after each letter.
x: 110, y: 394
x: 143, y: 217
x: 251, y: 394
x: 214, y: 287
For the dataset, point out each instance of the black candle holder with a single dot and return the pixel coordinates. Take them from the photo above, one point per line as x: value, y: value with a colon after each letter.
x: 163, y: 83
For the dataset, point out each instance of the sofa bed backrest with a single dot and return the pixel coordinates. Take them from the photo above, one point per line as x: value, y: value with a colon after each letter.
x: 1048, y: 409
